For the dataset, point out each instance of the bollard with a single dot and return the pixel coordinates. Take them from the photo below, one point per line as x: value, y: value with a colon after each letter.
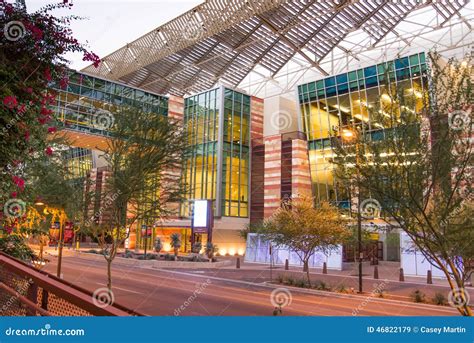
x: 376, y: 272
x: 402, y: 277
x: 429, y: 278
x: 287, y: 265
x: 237, y: 263
x: 325, y: 268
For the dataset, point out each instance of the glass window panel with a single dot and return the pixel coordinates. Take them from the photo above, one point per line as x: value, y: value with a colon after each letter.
x: 370, y: 71
x: 330, y: 81
x: 342, y: 78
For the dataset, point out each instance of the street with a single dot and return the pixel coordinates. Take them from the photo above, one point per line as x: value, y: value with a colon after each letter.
x: 172, y: 292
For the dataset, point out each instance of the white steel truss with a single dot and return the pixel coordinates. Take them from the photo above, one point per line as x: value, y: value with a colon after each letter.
x: 266, y: 47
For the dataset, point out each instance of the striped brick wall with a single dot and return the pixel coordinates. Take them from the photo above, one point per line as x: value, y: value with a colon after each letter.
x: 257, y: 160
x: 176, y: 107
x: 300, y: 169
x: 272, y: 174
x: 256, y: 118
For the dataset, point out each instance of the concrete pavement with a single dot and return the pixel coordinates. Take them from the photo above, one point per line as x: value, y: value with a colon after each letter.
x: 169, y: 292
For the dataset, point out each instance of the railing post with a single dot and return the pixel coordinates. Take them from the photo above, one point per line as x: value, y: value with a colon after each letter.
x: 32, y: 295
x: 44, y: 299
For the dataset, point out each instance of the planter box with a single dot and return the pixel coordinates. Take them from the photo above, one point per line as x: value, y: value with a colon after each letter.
x: 153, y: 263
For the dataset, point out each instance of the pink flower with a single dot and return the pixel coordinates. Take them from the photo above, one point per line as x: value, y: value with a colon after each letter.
x: 48, y: 151
x: 63, y: 82
x: 13, y: 194
x: 52, y: 129
x: 27, y: 135
x: 90, y: 56
x: 19, y: 182
x: 29, y: 90
x: 10, y: 101
x: 47, y: 74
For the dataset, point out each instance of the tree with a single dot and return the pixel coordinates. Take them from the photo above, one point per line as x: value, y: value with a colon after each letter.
x: 305, y: 229
x: 31, y: 58
x: 421, y: 171
x: 144, y: 156
x: 175, y: 242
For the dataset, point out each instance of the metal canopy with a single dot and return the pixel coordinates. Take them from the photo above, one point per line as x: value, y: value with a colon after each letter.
x: 224, y: 40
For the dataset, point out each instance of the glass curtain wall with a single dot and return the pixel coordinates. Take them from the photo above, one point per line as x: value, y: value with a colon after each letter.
x: 78, y: 162
x: 218, y: 154
x: 235, y: 169
x: 201, y: 120
x: 85, y: 97
x: 346, y: 100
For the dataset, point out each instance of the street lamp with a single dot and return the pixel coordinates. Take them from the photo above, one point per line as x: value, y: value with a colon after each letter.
x: 350, y: 135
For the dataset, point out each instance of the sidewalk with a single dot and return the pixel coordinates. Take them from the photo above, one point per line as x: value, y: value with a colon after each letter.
x: 260, y: 273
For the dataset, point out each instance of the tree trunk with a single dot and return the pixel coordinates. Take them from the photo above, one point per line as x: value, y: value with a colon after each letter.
x: 109, y: 275
x: 307, y: 271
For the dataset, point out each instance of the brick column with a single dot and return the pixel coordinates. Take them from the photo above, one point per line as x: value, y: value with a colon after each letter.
x: 300, y: 170
x: 176, y: 107
x: 272, y: 179
x: 257, y: 160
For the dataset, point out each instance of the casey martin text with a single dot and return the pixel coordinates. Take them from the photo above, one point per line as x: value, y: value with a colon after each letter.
x: 444, y: 329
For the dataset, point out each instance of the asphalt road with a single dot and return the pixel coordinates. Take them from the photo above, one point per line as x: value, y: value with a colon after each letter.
x: 164, y: 292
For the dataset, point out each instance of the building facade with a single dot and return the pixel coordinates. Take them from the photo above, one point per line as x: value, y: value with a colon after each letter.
x: 247, y: 154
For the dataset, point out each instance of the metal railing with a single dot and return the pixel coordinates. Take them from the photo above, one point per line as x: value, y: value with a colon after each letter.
x: 27, y: 291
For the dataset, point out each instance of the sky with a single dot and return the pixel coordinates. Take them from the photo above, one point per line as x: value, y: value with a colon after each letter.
x: 111, y: 24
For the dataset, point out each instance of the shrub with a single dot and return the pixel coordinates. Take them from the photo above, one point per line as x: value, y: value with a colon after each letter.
x: 322, y: 286
x: 289, y: 280
x: 128, y: 254
x: 341, y: 288
x: 301, y: 283
x: 175, y: 242
x: 418, y: 296
x: 15, y: 246
x: 439, y: 299
x: 197, y: 246
x: 281, y: 278
x: 169, y: 257
x: 211, y: 249
x: 158, y: 244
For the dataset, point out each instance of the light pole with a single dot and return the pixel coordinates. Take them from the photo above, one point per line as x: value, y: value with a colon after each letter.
x: 351, y: 135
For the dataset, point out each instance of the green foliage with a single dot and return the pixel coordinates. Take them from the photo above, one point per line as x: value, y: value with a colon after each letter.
x: 15, y: 246
x: 196, y: 248
x: 418, y: 165
x: 158, y: 244
x: 175, y: 240
x: 304, y: 228
x: 417, y: 296
x: 323, y: 286
x: 211, y: 250
x: 439, y: 299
